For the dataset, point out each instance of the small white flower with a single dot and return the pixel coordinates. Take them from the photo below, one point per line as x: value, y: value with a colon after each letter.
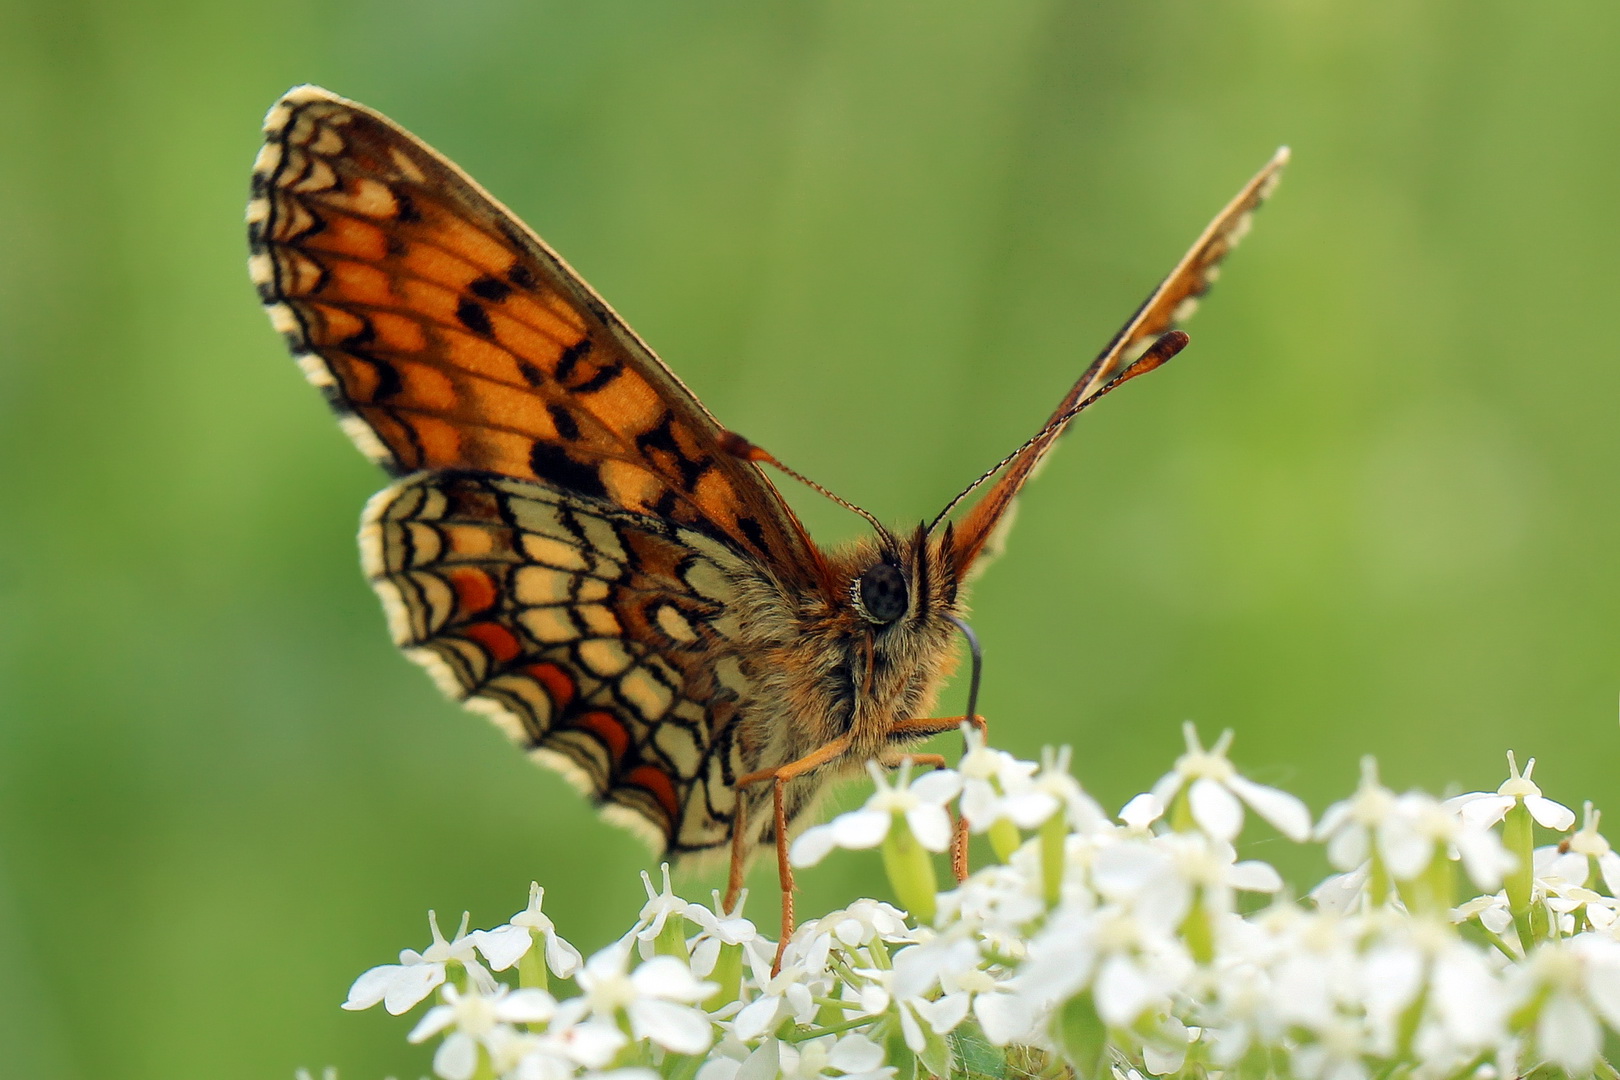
x: 781, y: 996
x: 657, y: 997
x: 1484, y: 809
x: 1216, y: 792
x: 505, y: 945
x: 1578, y: 856
x: 921, y: 804
x: 990, y: 778
x: 1573, y: 984
x: 1349, y: 826
x: 1132, y: 965
x: 1420, y: 826
x: 659, y: 908
x: 725, y: 928
x: 853, y: 1055
x: 865, y: 921
x: 400, y: 986
x: 479, y: 1020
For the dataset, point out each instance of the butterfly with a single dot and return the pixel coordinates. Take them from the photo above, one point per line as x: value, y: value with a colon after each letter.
x: 573, y: 545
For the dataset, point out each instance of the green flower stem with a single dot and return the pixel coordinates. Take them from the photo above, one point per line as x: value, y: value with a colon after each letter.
x: 1081, y: 1034
x: 532, y: 974
x: 1181, y: 815
x: 1430, y: 893
x: 805, y: 1034
x: 910, y: 870
x: 1199, y: 931
x: 1005, y: 839
x: 1518, y: 837
x: 1410, y: 1019
x: 1054, y: 833
x: 728, y: 972
x: 671, y: 940
x: 681, y: 1066
x: 485, y: 1069
x: 1378, y: 883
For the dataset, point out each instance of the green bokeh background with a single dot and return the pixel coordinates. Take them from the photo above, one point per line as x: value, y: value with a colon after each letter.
x: 1371, y: 509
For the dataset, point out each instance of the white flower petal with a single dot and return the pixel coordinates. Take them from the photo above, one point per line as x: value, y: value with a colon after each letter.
x: 413, y: 984
x: 674, y: 1027
x: 1142, y: 811
x: 530, y: 1005
x: 562, y: 958
x: 666, y: 977
x: 1549, y: 814
x: 938, y: 787
x: 943, y: 1015
x: 764, y: 1063
x: 1122, y: 992
x: 1348, y: 848
x: 855, y: 1053
x: 1007, y: 1017
x: 456, y: 1057
x: 756, y: 1018
x: 1215, y: 809
x: 1481, y: 809
x: 1286, y: 813
x: 813, y: 845
x: 1568, y: 1034
x: 861, y: 829
x: 504, y: 945
x: 1406, y: 851
x: 433, y: 1021
x: 931, y: 825
x: 1252, y: 875
x: 370, y: 987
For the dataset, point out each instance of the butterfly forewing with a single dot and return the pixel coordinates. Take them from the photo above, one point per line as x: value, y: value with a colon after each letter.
x: 1169, y: 305
x: 597, y: 639
x: 449, y: 336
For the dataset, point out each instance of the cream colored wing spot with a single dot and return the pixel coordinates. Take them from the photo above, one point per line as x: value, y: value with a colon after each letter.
x: 676, y: 625
x: 548, y: 625
x: 604, y: 657
x: 647, y: 695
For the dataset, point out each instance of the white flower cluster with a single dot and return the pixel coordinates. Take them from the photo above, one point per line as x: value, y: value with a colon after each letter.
x: 1090, y: 946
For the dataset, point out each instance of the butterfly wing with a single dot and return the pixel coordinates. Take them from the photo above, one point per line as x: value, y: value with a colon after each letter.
x: 598, y: 640
x: 1165, y: 308
x: 563, y: 551
x: 448, y: 336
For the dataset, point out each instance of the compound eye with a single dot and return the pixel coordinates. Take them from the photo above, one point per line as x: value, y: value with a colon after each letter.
x: 880, y: 594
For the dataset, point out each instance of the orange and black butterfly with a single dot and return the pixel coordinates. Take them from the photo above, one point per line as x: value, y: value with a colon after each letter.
x: 574, y: 546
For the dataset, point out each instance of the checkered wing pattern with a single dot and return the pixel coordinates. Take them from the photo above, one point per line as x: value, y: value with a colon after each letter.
x: 598, y: 640
x: 447, y: 335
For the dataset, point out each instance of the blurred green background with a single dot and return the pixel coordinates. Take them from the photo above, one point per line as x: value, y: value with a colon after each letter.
x: 1372, y: 508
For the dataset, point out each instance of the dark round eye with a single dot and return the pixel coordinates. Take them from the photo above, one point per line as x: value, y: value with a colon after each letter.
x: 880, y: 594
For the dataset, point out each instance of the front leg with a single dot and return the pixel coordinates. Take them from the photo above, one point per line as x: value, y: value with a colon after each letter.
x: 926, y: 727
x: 779, y: 777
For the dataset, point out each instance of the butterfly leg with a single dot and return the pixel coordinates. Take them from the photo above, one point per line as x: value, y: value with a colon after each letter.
x: 922, y: 728
x: 779, y: 778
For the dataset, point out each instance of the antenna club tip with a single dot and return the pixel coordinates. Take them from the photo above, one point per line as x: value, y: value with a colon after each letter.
x: 739, y: 447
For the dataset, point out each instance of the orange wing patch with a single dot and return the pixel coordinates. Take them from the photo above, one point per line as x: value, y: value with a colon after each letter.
x: 591, y: 637
x: 450, y: 337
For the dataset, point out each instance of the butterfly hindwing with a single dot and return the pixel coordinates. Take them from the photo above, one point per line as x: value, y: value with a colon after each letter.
x: 448, y: 336
x: 596, y: 639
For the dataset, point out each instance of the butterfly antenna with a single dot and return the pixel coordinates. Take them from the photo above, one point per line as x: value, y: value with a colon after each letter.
x: 978, y: 664
x: 1166, y: 346
x: 739, y: 447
